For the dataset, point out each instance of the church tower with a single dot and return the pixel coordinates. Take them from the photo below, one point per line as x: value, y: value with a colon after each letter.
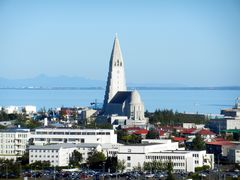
x: 116, y: 75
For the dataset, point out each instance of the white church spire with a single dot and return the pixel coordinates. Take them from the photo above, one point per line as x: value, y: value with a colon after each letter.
x: 116, y: 75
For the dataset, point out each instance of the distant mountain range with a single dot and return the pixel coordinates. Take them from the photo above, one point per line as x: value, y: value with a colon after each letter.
x: 66, y: 82
x: 43, y: 81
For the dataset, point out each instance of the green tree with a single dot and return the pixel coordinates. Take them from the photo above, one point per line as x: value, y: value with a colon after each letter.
x: 39, y: 165
x: 147, y: 166
x: 121, y: 166
x: 152, y: 134
x: 111, y: 164
x: 24, y: 159
x: 198, y: 143
x: 96, y: 159
x: 169, y: 168
x: 76, y: 159
x: 9, y: 166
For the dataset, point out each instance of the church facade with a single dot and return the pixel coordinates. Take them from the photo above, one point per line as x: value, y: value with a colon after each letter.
x: 118, y: 101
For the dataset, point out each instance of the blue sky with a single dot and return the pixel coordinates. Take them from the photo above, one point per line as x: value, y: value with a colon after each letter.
x: 196, y: 43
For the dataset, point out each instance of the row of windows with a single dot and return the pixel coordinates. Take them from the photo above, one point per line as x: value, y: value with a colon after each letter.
x: 48, y: 156
x: 7, y: 152
x: 44, y: 151
x: 165, y: 157
x: 49, y: 161
x: 195, y: 155
x: 178, y: 164
x: 74, y: 133
x: 7, y: 146
x: 112, y: 152
x: 7, y: 135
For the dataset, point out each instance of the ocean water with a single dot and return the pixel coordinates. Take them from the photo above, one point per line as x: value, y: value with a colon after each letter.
x: 201, y: 101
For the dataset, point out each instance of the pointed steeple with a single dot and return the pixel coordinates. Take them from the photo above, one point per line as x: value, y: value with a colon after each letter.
x: 116, y: 75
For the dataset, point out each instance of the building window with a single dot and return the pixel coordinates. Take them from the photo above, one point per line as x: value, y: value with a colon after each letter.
x: 128, y: 158
x: 128, y: 164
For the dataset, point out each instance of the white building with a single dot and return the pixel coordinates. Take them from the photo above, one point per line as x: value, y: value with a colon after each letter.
x: 13, y: 143
x: 185, y: 161
x: 29, y: 109
x: 67, y: 135
x: 11, y: 109
x: 193, y: 125
x: 59, y: 154
x: 231, y: 119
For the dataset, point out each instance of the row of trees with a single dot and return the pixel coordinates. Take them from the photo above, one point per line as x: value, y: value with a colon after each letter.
x: 8, y: 117
x: 168, y: 117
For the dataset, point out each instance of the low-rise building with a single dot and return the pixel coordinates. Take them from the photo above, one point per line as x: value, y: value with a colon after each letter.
x: 13, y: 143
x: 183, y: 161
x: 60, y: 154
x: 220, y: 148
x: 29, y: 109
x: 44, y: 136
x: 56, y: 154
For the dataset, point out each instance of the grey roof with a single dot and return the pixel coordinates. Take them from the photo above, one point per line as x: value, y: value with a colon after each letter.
x: 15, y: 130
x: 64, y: 146
x: 120, y: 97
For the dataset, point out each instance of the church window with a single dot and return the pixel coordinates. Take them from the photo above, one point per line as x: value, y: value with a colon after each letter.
x: 118, y: 62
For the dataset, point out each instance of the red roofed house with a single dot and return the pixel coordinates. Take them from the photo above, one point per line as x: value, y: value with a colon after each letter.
x: 142, y: 132
x: 219, y: 148
x: 206, y: 134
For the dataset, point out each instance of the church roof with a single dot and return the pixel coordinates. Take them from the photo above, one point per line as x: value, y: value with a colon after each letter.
x: 120, y: 97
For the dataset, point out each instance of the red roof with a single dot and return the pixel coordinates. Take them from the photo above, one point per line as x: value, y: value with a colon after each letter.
x: 141, y: 131
x: 132, y: 128
x: 219, y: 139
x: 161, y: 133
x: 205, y: 132
x: 188, y: 131
x: 220, y: 143
x: 178, y: 139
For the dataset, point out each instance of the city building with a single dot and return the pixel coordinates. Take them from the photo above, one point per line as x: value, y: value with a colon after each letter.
x: 231, y: 119
x: 29, y: 109
x: 44, y: 136
x: 152, y: 150
x: 60, y: 154
x: 11, y: 109
x: 87, y: 115
x: 13, y: 143
x: 117, y: 100
x: 219, y: 148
